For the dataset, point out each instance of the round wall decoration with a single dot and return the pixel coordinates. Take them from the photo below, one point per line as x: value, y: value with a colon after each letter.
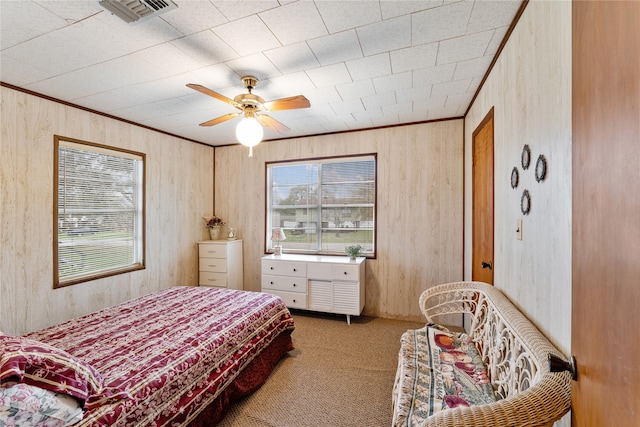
x: 525, y: 202
x: 515, y: 177
x: 541, y: 168
x: 525, y: 157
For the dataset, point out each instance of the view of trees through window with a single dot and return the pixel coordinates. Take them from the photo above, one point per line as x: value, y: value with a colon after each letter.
x: 323, y: 206
x: 99, y: 212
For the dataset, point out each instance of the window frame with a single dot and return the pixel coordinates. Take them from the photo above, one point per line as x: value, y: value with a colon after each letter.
x: 268, y: 245
x: 139, y: 235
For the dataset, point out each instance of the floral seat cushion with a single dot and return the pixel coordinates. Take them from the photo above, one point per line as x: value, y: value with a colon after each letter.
x: 437, y: 370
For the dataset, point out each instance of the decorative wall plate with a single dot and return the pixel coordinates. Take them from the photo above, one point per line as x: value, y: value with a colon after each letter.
x: 541, y: 168
x: 525, y: 157
x: 525, y: 202
x: 515, y: 177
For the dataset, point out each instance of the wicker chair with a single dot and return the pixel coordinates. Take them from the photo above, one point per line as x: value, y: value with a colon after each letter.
x: 516, y: 355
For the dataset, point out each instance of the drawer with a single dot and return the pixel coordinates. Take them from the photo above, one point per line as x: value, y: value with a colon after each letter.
x: 284, y: 283
x: 212, y: 251
x: 213, y: 279
x: 291, y: 299
x: 284, y: 268
x: 346, y: 272
x: 213, y: 264
x: 319, y: 270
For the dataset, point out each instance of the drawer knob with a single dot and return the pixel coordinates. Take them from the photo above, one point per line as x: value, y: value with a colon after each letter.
x: 213, y: 265
x: 294, y: 269
x: 212, y: 280
x: 345, y: 273
x: 294, y: 300
x: 271, y: 283
x: 270, y: 268
x: 294, y: 285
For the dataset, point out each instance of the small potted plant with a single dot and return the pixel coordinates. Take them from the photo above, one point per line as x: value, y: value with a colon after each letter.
x: 214, y: 224
x: 353, y: 251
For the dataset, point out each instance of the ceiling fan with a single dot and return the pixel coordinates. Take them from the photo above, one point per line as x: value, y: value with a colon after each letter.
x: 253, y: 108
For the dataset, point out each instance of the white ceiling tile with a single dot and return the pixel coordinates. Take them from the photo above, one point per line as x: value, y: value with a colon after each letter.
x: 412, y: 58
x: 357, y: 89
x: 291, y: 84
x: 342, y: 15
x: 206, y: 48
x: 347, y: 107
x: 386, y: 35
x: 433, y: 75
x: 322, y: 95
x: 496, y: 40
x: 414, y: 94
x: 325, y: 47
x: 369, y: 67
x: 257, y: 39
x: 486, y: 15
x: 450, y: 88
x: 440, y: 23
x: 426, y: 104
x: 239, y: 9
x: 256, y: 65
x: 461, y: 99
x: 292, y: 58
x: 169, y: 58
x: 330, y: 75
x: 393, y: 82
x: 463, y: 48
x: 37, y: 20
x: 71, y: 11
x: 393, y: 8
x: 194, y: 16
x: 294, y: 22
x: 377, y: 101
x: 472, y: 68
x: 20, y: 74
x: 397, y: 109
x: 368, y: 115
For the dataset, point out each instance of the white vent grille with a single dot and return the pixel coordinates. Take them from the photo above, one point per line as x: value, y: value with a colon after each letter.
x: 135, y: 10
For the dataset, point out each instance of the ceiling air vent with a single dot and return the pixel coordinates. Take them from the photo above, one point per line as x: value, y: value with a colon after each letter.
x: 136, y: 10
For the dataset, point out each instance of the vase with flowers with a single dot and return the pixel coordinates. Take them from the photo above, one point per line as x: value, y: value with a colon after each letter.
x: 214, y: 224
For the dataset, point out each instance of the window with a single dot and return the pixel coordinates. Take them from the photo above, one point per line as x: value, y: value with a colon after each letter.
x: 323, y: 205
x: 98, y: 211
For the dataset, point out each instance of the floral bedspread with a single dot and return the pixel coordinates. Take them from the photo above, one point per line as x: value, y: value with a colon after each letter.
x: 171, y: 352
x: 437, y: 370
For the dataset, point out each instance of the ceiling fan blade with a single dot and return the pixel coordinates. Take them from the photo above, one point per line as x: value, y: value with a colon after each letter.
x: 291, y: 103
x: 216, y: 95
x: 272, y: 123
x: 220, y: 119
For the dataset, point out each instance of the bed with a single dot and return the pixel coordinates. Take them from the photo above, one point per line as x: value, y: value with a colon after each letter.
x: 176, y: 357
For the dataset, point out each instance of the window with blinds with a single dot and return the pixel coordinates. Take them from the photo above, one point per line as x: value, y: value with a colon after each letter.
x: 323, y: 205
x: 98, y: 212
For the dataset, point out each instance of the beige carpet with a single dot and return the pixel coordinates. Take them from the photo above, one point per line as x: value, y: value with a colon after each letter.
x: 339, y: 375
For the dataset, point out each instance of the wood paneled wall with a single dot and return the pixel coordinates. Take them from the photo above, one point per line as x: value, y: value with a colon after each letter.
x: 419, y: 211
x: 530, y: 91
x: 179, y: 189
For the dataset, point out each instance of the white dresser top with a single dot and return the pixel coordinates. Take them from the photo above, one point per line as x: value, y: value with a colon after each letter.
x: 334, y: 259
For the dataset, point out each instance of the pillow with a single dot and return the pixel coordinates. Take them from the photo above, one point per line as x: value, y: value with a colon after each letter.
x: 26, y: 405
x: 38, y: 364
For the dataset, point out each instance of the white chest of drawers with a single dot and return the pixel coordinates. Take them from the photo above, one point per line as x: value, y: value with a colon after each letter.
x: 220, y: 263
x: 330, y: 284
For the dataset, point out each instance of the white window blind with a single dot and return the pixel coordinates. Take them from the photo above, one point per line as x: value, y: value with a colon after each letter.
x: 323, y: 205
x: 99, y: 215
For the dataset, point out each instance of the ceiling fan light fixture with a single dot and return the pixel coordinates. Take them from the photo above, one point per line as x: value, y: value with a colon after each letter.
x: 249, y: 132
